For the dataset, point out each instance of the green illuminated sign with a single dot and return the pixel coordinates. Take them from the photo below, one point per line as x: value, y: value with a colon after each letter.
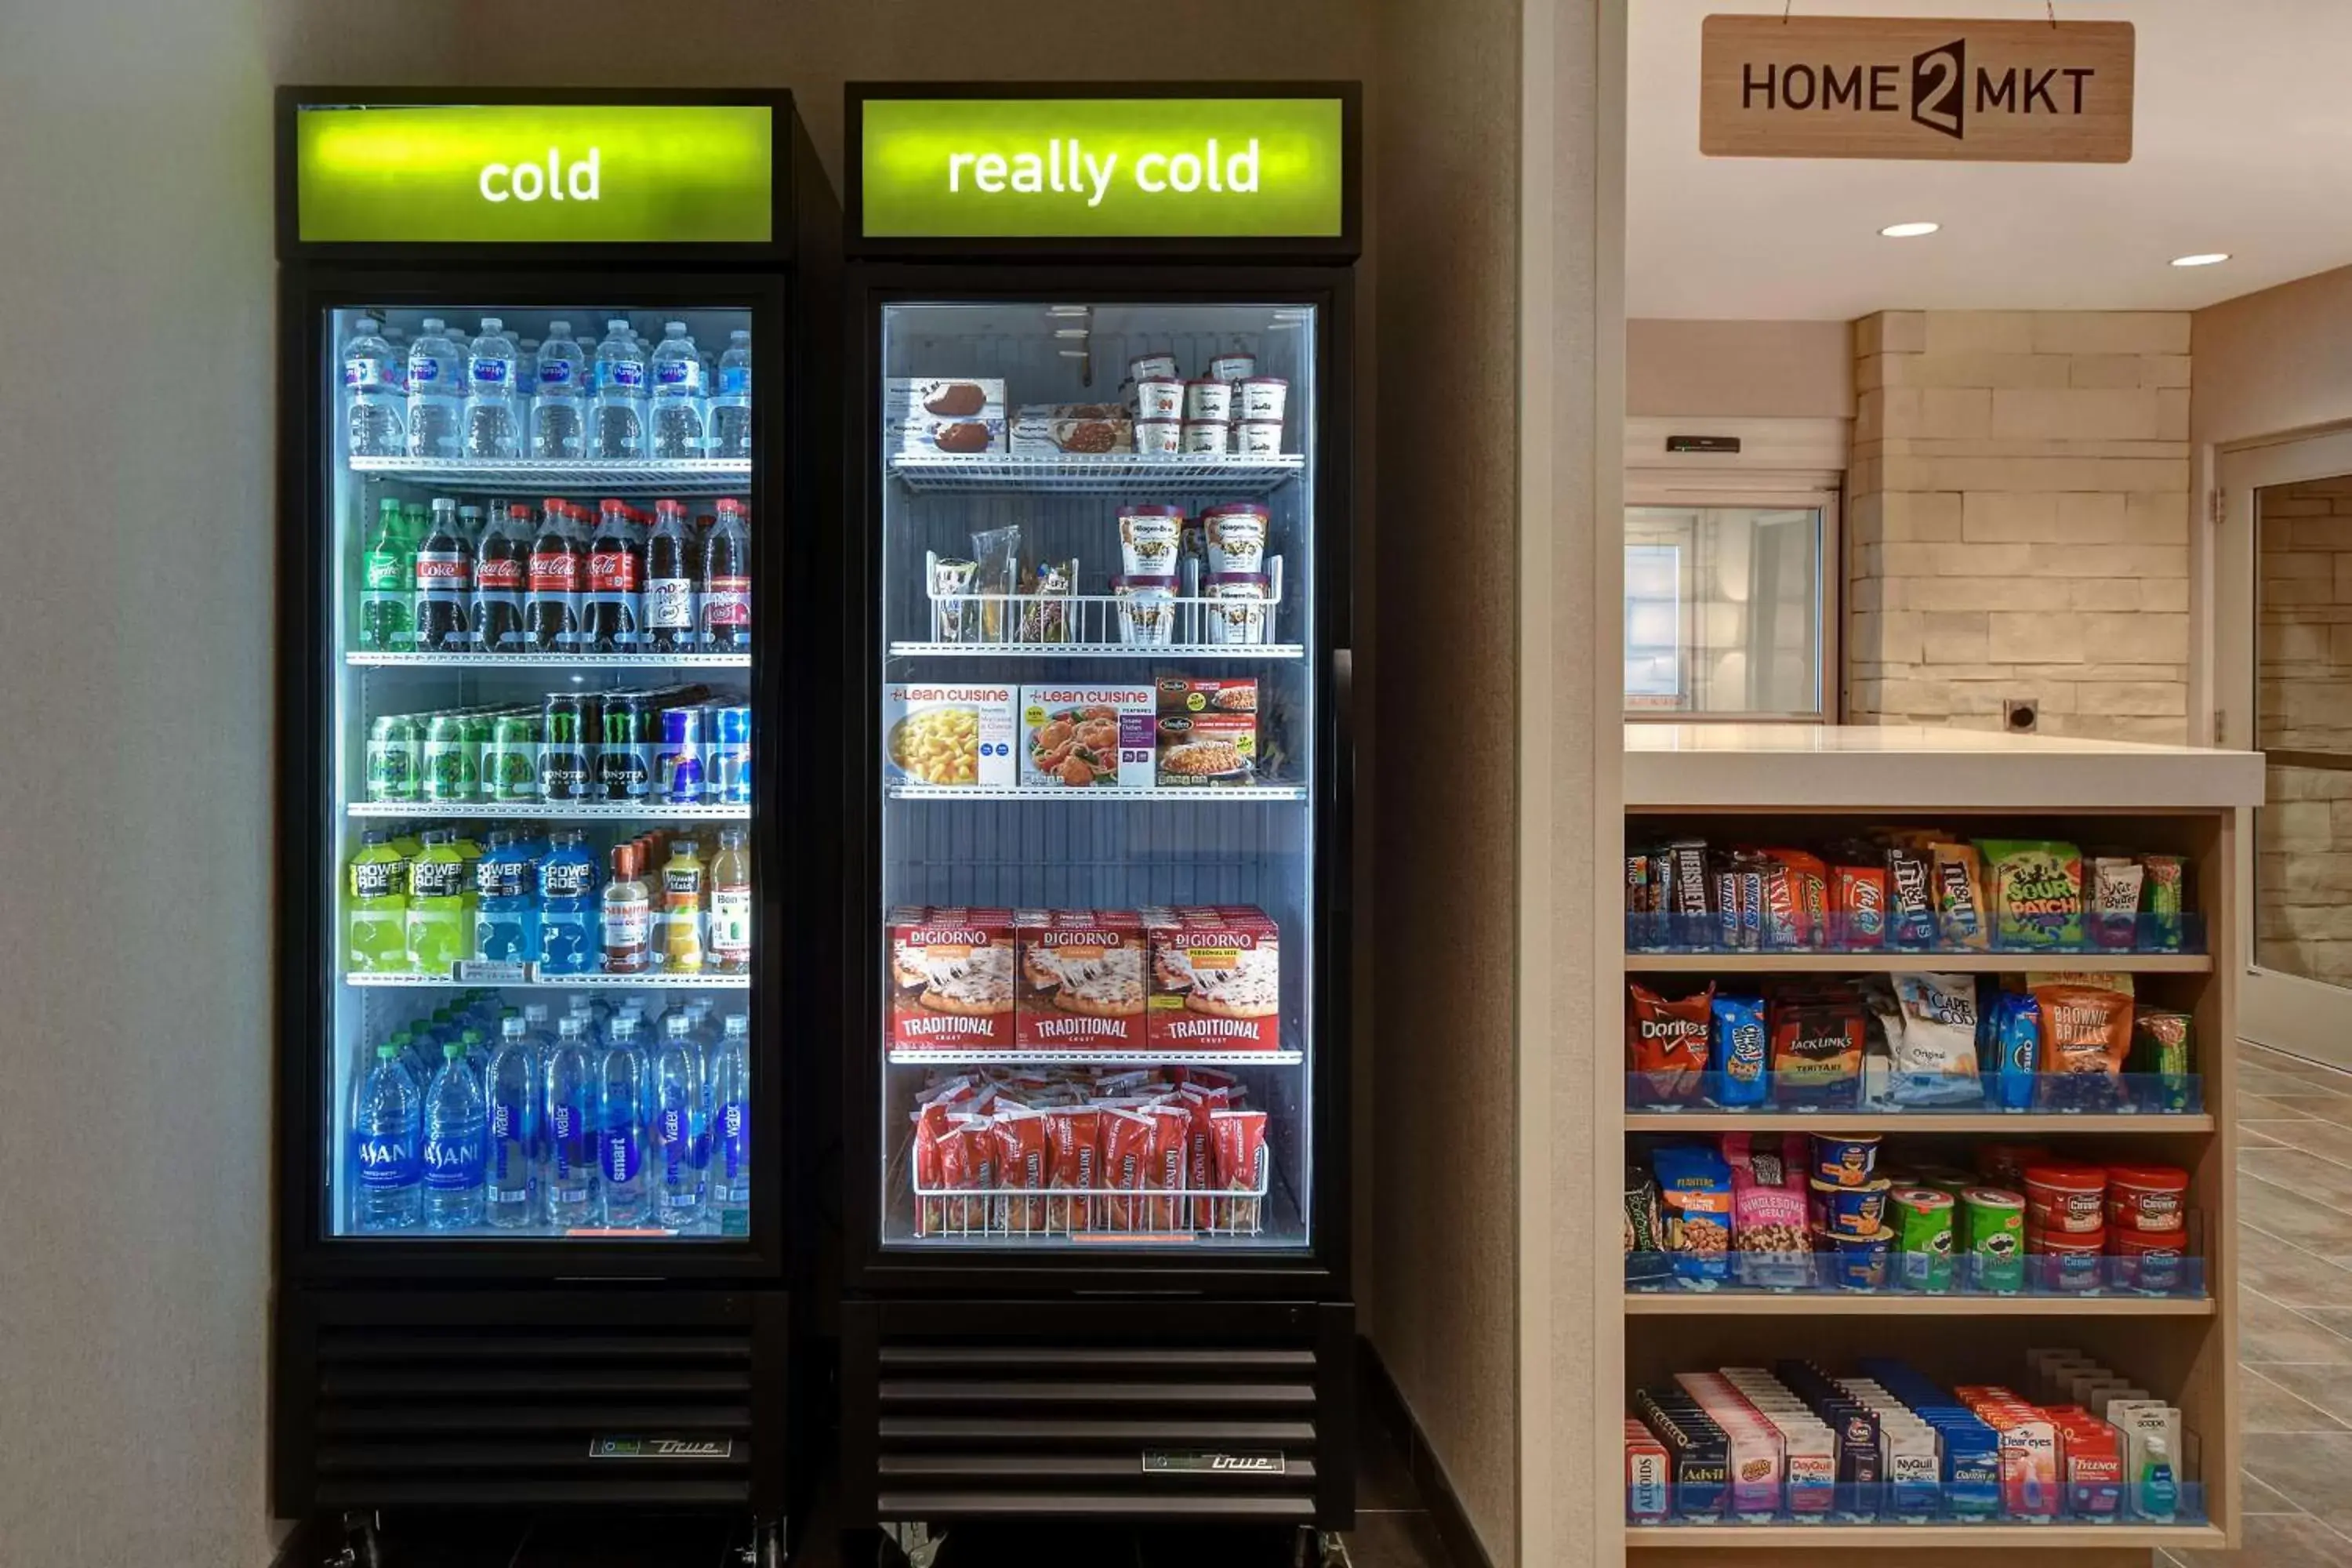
x: 1102, y: 168
x: 535, y: 173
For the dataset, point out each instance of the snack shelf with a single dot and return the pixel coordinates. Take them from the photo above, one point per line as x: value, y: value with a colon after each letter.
x: 1876, y: 1303
x: 1813, y: 961
x: 359, y: 660
x: 529, y: 980
x: 1652, y: 937
x: 1929, y: 1099
x: 1106, y: 474
x: 1917, y: 1120
x: 688, y: 476
x: 2125, y: 1535
x: 922, y: 1056
x: 1164, y: 651
x: 1818, y: 1278
x: 1208, y: 794
x: 539, y: 811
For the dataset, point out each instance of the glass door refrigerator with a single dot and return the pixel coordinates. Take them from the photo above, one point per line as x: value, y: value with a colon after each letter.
x: 1097, y: 1064
x: 545, y: 537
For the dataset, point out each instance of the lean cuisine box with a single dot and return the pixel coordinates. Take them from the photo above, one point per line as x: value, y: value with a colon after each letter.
x: 954, y: 414
x: 1086, y: 736
x: 947, y: 736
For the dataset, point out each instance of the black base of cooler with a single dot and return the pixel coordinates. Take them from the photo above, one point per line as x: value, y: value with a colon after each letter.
x: 1138, y: 1411
x: 561, y: 1397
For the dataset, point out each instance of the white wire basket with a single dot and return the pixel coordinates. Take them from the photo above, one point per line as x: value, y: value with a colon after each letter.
x: 1103, y: 624
x: 1033, y: 1214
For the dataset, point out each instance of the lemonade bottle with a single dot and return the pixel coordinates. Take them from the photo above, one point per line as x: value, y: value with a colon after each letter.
x: 440, y: 927
x: 378, y: 906
x: 681, y: 908
x: 730, y: 904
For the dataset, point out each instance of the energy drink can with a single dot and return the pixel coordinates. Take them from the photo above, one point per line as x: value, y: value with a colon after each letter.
x: 624, y: 748
x: 727, y: 765
x: 511, y: 767
x: 677, y: 764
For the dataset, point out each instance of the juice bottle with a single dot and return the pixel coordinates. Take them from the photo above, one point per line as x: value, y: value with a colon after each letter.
x: 378, y: 922
x: 681, y: 908
x: 730, y: 904
x: 628, y: 916
x: 440, y: 927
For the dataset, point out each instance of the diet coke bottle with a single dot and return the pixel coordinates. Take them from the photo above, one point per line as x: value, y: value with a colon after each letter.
x: 445, y: 584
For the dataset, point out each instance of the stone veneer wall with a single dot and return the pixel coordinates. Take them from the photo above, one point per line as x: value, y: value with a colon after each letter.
x: 2303, y: 882
x: 2017, y: 520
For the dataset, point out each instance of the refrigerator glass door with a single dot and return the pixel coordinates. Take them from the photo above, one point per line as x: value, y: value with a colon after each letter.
x: 541, y: 775
x: 1098, y: 650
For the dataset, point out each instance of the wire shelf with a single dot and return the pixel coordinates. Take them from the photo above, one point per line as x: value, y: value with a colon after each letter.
x: 1109, y: 474
x: 1096, y: 650
x: 1055, y: 625
x: 548, y: 661
x: 1211, y: 793
x: 688, y: 475
x: 501, y: 977
x: 921, y: 1056
x: 539, y: 811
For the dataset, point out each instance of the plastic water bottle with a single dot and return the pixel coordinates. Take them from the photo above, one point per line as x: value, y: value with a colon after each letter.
x: 617, y: 427
x: 375, y: 410
x: 621, y: 1152
x: 731, y: 1136
x: 436, y: 392
x: 730, y: 406
x: 555, y: 412
x: 491, y: 428
x: 510, y: 1194
x: 383, y: 1145
x: 526, y: 390
x: 453, y: 1127
x: 678, y: 396
x: 574, y: 1121
x: 674, y: 1127
x: 398, y: 340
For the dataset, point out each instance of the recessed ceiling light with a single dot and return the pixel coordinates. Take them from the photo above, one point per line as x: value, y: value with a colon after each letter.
x: 2202, y: 258
x: 1909, y: 230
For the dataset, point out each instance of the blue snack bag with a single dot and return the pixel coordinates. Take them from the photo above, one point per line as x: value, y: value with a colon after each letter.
x: 2017, y: 1030
x: 1736, y: 1051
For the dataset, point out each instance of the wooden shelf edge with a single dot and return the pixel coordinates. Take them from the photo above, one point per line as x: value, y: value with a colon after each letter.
x: 1875, y: 1537
x: 1915, y: 962
x: 1728, y: 1304
x: 1906, y: 1122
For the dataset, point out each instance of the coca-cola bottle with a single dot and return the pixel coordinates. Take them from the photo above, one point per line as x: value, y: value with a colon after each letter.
x: 724, y: 614
x: 670, y: 574
x: 501, y: 567
x: 444, y: 583
x: 558, y: 578
x: 616, y: 579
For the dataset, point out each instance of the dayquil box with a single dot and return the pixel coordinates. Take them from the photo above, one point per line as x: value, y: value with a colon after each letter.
x: 951, y: 978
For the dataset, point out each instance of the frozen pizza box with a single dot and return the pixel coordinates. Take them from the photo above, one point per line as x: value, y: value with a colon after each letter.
x: 947, y: 736
x: 1216, y: 986
x: 1081, y: 980
x: 943, y: 413
x: 952, y: 979
x: 1091, y: 736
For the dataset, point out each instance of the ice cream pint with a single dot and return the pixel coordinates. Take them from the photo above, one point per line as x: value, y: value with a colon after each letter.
x: 1152, y: 367
x: 1258, y: 437
x: 1157, y: 437
x: 1205, y: 398
x: 1235, y: 537
x: 1233, y: 367
x: 1206, y: 437
x: 1159, y: 399
x: 1149, y: 537
x: 1263, y: 396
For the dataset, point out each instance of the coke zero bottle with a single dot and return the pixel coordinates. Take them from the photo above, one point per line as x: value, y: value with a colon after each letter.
x: 445, y: 584
x: 557, y: 577
x: 724, y: 614
x: 671, y: 573
x: 615, y: 575
x: 501, y: 567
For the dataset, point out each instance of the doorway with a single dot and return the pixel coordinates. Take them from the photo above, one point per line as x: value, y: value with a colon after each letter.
x: 2283, y: 677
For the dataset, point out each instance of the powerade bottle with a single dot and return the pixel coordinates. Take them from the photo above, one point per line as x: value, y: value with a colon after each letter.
x: 510, y: 1179
x: 436, y: 392
x: 436, y: 928
x: 378, y: 920
x: 729, y: 1092
x: 568, y: 931
x: 383, y: 1146
x: 674, y: 1127
x: 454, y: 1126
x: 574, y: 1123
x: 506, y: 923
x: 387, y: 585
x: 375, y: 413
x: 621, y: 1160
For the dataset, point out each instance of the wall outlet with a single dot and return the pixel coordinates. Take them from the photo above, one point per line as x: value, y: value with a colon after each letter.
x: 2020, y: 715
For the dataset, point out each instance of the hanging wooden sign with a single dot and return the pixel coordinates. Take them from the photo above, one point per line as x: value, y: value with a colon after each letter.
x: 1913, y: 87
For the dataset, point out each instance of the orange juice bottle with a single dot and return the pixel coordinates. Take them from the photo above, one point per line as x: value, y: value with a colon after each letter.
x: 681, y: 908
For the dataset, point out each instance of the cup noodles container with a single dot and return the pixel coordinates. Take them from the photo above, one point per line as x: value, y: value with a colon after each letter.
x: 1234, y: 536
x: 1093, y: 736
x: 1238, y: 615
x: 1206, y: 437
x: 1258, y: 437
x: 951, y: 978
x: 1158, y: 437
x: 1262, y: 398
x: 1160, y: 397
x: 2153, y: 1199
x: 1233, y: 367
x: 1149, y: 537
x: 947, y: 736
x: 2066, y: 1198
x: 1146, y: 609
x: 1217, y: 984
x: 1081, y: 984
x: 1152, y: 367
x: 1207, y: 750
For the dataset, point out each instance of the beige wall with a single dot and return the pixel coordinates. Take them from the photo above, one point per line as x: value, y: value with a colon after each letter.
x: 2273, y: 362
x: 2304, y: 695
x: 2018, y: 520
x: 1739, y: 369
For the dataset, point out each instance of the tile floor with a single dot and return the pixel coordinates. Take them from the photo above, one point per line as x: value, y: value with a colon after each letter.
x: 2294, y: 1314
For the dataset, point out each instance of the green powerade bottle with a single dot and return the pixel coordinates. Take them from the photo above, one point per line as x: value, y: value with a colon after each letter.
x: 378, y: 908
x: 386, y: 622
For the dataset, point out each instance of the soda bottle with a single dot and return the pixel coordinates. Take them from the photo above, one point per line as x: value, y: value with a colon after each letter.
x: 378, y: 922
x: 384, y: 1145
x: 555, y: 415
x: 682, y: 911
x: 510, y: 1184
x: 678, y: 396
x: 674, y: 1132
x: 617, y: 431
x: 558, y: 576
x: 724, y: 611
x: 621, y: 1160
x: 436, y: 393
x: 731, y: 905
x: 444, y: 583
x: 573, y: 1121
x: 729, y: 1093
x: 628, y: 916
x: 730, y: 408
x: 671, y: 573
x: 374, y: 409
x: 616, y: 570
x: 436, y: 931
x: 567, y: 886
x: 502, y: 573
x: 387, y: 585
x: 506, y: 926
x: 454, y: 1126
x: 393, y: 758
x: 491, y: 427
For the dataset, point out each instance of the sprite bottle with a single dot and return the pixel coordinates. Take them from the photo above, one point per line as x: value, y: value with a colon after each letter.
x: 386, y: 620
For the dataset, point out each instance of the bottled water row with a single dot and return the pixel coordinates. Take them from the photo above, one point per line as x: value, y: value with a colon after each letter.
x: 483, y: 1117
x: 494, y: 397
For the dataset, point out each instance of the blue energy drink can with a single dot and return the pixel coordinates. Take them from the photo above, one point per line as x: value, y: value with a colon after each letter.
x: 727, y: 761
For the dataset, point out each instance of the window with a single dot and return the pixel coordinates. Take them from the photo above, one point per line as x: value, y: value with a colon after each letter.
x: 1724, y: 611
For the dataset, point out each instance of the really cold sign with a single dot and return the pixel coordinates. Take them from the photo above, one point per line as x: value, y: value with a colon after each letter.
x: 1102, y: 168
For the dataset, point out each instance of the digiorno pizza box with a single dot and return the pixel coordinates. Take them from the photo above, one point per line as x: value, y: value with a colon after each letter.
x: 1216, y: 980
x: 1082, y: 980
x: 951, y: 978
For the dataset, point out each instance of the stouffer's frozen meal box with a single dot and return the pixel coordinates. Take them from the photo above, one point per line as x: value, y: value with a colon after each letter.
x: 1216, y: 978
x: 1081, y: 984
x: 951, y: 977
x: 943, y: 413
x: 1086, y: 736
x: 1208, y: 731
x: 947, y: 735
x: 1051, y: 429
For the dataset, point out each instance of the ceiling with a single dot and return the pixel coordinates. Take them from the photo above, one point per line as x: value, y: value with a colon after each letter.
x: 2242, y: 143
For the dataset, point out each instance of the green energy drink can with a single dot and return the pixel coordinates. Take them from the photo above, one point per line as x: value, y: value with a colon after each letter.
x: 452, y: 760
x: 511, y: 766
x: 624, y: 753
x: 391, y: 758
x: 1921, y: 1218
x: 563, y: 755
x: 1992, y: 1233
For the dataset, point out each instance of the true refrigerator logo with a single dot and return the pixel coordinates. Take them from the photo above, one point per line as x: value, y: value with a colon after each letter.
x: 1172, y: 1462
x: 661, y: 1448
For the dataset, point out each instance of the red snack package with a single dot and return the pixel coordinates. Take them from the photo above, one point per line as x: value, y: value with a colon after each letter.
x: 1021, y: 1158
x: 1665, y: 1042
x: 1075, y: 1138
x: 930, y: 1126
x: 2084, y: 1028
x: 1200, y: 1147
x: 967, y: 1163
x: 1126, y: 1145
x: 1858, y: 899
x: 1809, y: 896
x: 1171, y: 1142
x: 1240, y: 1137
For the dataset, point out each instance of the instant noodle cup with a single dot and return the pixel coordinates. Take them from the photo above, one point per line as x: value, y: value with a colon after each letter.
x: 1859, y: 1262
x: 1260, y: 398
x: 2150, y: 1200
x: 1921, y: 1222
x: 2070, y: 1261
x: 1158, y: 437
x: 1161, y: 398
x: 1855, y: 1210
x: 2066, y: 1199
x: 1234, y: 536
x: 2150, y: 1260
x: 1845, y: 1160
x: 1206, y: 397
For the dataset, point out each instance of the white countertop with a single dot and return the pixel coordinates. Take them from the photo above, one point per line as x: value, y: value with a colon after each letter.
x: 1808, y: 767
